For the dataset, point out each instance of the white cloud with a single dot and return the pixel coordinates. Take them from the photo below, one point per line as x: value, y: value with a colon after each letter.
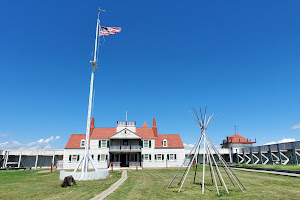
x: 282, y: 141
x: 188, y: 146
x: 297, y: 126
x: 40, y: 144
x: 3, y: 135
x: 287, y: 140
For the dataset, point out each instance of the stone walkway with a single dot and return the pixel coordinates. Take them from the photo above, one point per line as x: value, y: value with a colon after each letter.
x: 112, y: 188
x: 269, y: 172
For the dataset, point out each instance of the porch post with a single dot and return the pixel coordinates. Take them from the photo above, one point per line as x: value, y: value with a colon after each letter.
x: 270, y: 155
x: 230, y: 155
x: 20, y: 156
x: 53, y: 158
x: 244, y: 156
x: 237, y: 156
x: 279, y: 155
x: 259, y: 155
x: 36, y: 160
x: 294, y: 154
x: 251, y: 156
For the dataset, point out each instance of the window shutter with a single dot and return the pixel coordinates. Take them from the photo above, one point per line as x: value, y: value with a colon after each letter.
x: 142, y: 156
x: 175, y: 156
x: 155, y: 156
x: 106, y: 157
x: 99, y: 143
x: 149, y: 156
x: 77, y: 157
x: 98, y: 157
x: 167, y: 156
x: 92, y: 156
x: 107, y: 143
x: 163, y: 156
x: 142, y: 143
x: 70, y: 157
x: 149, y: 143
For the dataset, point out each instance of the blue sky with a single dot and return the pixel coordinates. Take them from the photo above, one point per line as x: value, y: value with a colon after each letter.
x: 240, y: 58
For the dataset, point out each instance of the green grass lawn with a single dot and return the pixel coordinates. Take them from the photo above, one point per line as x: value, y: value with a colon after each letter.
x: 151, y: 184
x: 146, y: 184
x: 29, y: 184
x: 287, y: 167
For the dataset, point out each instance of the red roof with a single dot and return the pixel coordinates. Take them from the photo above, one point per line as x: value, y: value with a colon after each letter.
x: 173, y: 141
x: 74, y: 141
x: 145, y: 125
x: 102, y: 133
x: 236, y: 138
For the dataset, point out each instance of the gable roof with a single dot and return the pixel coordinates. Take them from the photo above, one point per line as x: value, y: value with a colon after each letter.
x: 74, y: 141
x: 145, y: 125
x: 173, y: 140
x: 121, y: 135
x: 236, y: 138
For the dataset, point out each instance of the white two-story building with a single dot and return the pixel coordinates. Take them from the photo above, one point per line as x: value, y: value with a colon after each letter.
x: 126, y: 146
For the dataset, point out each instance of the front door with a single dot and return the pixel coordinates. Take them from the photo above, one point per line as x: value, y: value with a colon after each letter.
x: 123, y: 160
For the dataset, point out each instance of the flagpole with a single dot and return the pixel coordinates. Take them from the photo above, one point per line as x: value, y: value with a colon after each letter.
x: 86, y: 157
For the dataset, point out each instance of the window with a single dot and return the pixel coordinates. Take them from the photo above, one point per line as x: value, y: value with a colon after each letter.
x: 82, y: 143
x: 147, y: 143
x: 102, y: 157
x: 103, y: 143
x: 159, y: 156
x: 73, y: 158
x: 165, y: 143
x: 146, y: 157
x: 171, y: 156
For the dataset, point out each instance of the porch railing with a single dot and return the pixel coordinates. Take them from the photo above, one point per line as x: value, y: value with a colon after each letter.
x: 125, y: 147
x: 134, y: 164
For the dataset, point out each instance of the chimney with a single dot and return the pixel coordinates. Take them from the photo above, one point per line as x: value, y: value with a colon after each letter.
x: 93, y: 123
x: 92, y: 126
x: 154, y: 128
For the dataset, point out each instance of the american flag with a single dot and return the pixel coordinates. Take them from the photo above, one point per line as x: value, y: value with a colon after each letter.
x: 109, y: 30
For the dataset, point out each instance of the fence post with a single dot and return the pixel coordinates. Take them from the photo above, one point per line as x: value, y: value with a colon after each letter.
x: 51, y: 166
x: 112, y: 166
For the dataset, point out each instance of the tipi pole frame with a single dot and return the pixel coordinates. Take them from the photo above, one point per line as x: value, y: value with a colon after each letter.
x: 212, y: 182
x: 230, y: 171
x: 196, y: 164
x: 217, y: 169
x: 189, y: 167
x: 191, y: 161
x: 214, y: 176
x: 184, y: 162
x: 203, y: 177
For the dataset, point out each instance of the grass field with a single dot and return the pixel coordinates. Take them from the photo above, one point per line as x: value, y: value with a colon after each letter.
x: 287, y: 167
x: 29, y: 184
x: 151, y: 184
x: 146, y: 184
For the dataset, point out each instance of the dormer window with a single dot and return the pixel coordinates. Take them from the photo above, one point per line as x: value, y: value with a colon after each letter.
x: 82, y: 143
x: 165, y: 143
